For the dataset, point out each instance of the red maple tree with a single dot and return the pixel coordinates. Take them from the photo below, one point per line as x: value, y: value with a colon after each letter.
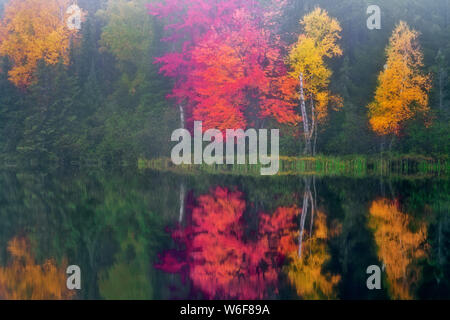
x: 229, y: 71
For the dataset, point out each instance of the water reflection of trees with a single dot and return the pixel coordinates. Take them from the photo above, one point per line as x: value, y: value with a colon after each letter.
x: 222, y: 259
x: 218, y: 258
x: 114, y: 225
x: 399, y: 248
x: 111, y: 226
x: 24, y: 279
x: 305, y: 271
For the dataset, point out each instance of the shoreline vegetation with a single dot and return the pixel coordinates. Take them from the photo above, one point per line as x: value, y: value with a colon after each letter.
x: 407, y: 166
x: 346, y: 99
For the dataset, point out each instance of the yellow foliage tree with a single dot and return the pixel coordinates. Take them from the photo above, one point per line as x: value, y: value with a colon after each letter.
x: 307, y: 62
x: 398, y: 247
x: 23, y: 279
x: 32, y: 30
x: 403, y: 89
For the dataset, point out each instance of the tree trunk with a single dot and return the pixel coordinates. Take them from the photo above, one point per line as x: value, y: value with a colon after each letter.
x: 302, y: 222
x: 391, y: 143
x: 315, y: 140
x: 307, y: 199
x: 382, y: 143
x: 182, y: 116
x: 305, y: 120
x: 182, y: 202
x: 313, y: 133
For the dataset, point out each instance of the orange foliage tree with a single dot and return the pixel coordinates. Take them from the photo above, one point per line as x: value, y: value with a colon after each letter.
x: 402, y: 91
x: 307, y: 62
x: 398, y: 247
x: 23, y: 279
x: 33, y: 30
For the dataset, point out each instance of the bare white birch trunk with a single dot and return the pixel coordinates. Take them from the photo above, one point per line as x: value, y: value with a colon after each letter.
x: 182, y: 116
x: 308, y: 202
x: 182, y: 202
x: 302, y: 222
x: 305, y: 120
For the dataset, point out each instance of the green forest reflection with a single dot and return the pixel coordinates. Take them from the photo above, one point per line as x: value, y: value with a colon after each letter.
x: 145, y: 235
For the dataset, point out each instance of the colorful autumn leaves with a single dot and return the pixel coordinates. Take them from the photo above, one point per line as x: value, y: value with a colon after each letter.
x: 225, y: 259
x: 24, y: 279
x: 230, y: 71
x: 227, y: 249
x: 34, y: 30
x: 234, y: 71
x: 230, y: 65
x: 399, y: 248
x: 402, y: 91
x: 307, y: 61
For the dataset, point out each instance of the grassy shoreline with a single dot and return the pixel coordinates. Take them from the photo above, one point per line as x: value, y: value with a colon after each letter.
x: 352, y: 165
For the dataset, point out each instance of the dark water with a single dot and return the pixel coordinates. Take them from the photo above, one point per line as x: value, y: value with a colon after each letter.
x: 147, y: 235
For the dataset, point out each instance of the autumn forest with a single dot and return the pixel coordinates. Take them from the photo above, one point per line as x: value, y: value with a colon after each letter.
x: 136, y: 70
x: 92, y: 90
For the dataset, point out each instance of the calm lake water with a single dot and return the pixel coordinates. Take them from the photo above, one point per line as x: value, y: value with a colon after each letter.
x: 149, y: 235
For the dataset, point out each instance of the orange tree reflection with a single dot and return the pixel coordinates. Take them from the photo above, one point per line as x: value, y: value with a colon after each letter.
x: 24, y: 279
x: 399, y: 248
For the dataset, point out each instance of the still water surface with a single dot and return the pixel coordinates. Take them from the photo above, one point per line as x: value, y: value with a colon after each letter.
x: 148, y: 235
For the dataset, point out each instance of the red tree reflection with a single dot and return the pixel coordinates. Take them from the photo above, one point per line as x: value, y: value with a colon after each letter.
x: 220, y: 259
